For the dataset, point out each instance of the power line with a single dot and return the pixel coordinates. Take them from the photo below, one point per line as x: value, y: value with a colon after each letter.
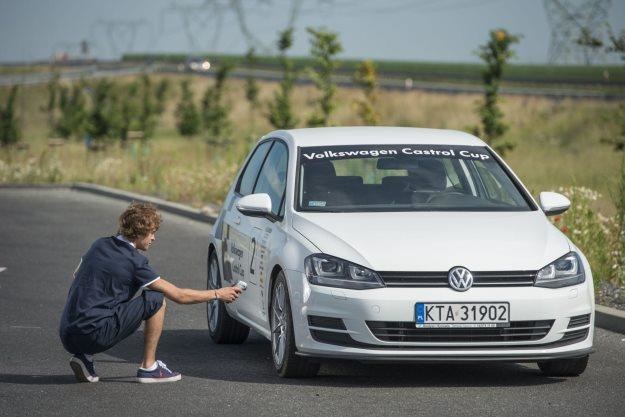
x: 568, y: 21
x: 120, y: 31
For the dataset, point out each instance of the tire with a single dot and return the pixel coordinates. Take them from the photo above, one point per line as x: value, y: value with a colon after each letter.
x: 564, y: 367
x: 222, y: 328
x: 286, y: 362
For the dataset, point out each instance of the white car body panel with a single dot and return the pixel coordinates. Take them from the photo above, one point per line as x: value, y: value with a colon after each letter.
x: 436, y: 241
x: 398, y: 241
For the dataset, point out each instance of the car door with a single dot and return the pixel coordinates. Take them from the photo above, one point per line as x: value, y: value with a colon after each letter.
x: 265, y: 232
x: 236, y: 243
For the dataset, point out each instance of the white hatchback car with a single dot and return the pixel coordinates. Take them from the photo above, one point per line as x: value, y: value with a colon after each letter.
x: 396, y: 244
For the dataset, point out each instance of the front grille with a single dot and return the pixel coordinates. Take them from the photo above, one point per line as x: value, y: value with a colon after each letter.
x: 326, y: 322
x: 405, y: 331
x: 440, y: 279
x: 579, y: 321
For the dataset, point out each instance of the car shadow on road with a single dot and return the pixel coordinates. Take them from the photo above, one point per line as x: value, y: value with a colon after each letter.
x: 37, y: 379
x: 193, y: 353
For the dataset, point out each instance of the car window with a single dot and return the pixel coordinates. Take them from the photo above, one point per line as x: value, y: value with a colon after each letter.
x: 495, y: 184
x: 405, y: 178
x: 453, y: 180
x: 250, y: 173
x: 272, y: 177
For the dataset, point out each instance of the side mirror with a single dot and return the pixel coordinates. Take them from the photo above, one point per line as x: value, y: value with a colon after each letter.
x: 255, y: 205
x: 553, y: 203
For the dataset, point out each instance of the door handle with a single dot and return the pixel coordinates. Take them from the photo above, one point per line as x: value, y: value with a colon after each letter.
x: 237, y: 220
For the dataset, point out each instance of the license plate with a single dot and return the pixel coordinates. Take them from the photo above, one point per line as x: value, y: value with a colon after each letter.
x: 462, y: 314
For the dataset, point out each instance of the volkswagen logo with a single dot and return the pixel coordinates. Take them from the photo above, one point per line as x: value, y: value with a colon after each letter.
x: 460, y: 278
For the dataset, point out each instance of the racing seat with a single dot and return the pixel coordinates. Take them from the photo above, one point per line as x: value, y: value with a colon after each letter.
x: 427, y: 179
x: 324, y: 186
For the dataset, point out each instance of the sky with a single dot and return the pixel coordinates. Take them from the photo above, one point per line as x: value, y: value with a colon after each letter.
x: 407, y: 30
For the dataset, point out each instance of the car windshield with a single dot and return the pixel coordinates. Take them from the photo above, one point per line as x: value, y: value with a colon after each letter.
x: 405, y: 178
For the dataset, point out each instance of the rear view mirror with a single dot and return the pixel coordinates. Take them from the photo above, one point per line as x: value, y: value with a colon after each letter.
x: 255, y: 205
x: 553, y: 203
x: 396, y: 163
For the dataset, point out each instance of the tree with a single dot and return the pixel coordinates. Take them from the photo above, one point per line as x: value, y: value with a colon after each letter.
x: 53, y: 87
x: 129, y: 110
x: 495, y: 53
x: 161, y: 95
x: 366, y: 78
x: 251, y: 86
x: 10, y: 132
x: 618, y: 44
x: 214, y: 111
x: 73, y: 114
x: 147, y: 108
x: 187, y: 116
x: 104, y: 120
x: 324, y: 47
x: 589, y: 43
x: 280, y: 110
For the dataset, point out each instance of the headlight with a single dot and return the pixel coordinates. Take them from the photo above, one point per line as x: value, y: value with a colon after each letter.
x: 565, y: 271
x: 334, y: 272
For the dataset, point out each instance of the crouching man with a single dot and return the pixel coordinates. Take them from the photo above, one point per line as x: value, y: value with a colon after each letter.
x: 100, y: 310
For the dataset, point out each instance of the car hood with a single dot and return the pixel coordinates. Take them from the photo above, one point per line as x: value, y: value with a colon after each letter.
x: 436, y: 241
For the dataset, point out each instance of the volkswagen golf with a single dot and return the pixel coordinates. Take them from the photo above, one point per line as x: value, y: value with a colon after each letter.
x: 399, y: 245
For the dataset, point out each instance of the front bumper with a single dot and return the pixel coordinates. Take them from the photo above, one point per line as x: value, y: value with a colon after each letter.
x: 356, y: 340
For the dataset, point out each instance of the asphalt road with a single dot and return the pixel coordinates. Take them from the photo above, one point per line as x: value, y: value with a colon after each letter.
x: 396, y: 83
x: 44, y: 232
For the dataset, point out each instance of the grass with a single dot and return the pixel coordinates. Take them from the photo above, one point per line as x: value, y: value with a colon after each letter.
x: 558, y: 142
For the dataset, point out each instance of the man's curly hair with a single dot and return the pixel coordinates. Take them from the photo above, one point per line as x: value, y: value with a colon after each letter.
x: 139, y: 220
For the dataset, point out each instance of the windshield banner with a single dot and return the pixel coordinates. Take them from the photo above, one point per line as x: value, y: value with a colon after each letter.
x: 374, y: 151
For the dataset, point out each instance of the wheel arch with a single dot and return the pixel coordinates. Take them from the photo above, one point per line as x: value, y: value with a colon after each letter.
x: 277, y: 268
x: 211, y: 249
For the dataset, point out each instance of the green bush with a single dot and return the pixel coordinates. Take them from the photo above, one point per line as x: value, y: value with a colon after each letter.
x: 591, y: 232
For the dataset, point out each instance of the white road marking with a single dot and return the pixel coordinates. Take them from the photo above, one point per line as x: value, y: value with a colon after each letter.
x: 2, y: 269
x: 25, y: 327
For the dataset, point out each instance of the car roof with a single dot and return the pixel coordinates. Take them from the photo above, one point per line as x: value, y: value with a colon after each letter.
x: 375, y: 135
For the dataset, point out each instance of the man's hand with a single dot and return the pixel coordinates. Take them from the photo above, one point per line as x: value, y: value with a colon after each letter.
x: 189, y: 296
x: 228, y: 294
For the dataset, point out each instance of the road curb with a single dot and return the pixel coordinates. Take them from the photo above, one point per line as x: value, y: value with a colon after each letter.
x: 610, y: 318
x: 605, y: 317
x: 164, y: 205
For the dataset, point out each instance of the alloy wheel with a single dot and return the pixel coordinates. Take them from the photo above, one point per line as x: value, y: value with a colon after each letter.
x: 213, y: 305
x: 278, y: 325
